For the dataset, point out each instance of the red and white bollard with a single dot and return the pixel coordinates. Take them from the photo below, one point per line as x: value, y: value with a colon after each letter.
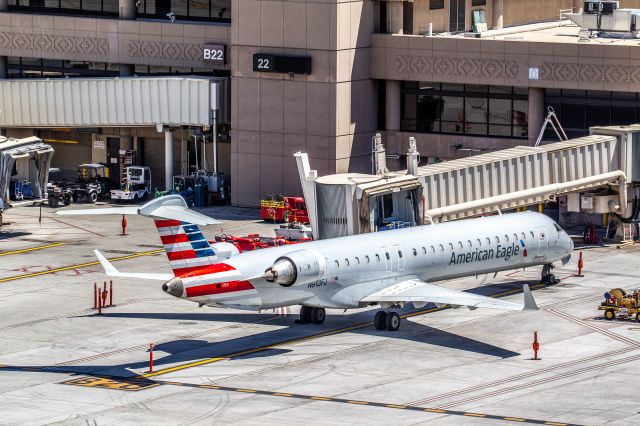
x: 124, y: 225
x: 151, y: 357
x: 535, y: 346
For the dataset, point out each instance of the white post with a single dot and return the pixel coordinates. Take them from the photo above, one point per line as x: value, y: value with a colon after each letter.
x: 215, y: 141
x: 168, y: 159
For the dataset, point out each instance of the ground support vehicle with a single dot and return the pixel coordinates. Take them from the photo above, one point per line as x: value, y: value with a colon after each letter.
x: 57, y: 192
x: 278, y: 208
x: 135, y: 184
x: 620, y: 304
x: 92, y: 183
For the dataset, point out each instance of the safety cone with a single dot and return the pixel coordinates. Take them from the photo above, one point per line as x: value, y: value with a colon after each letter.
x: 124, y: 225
x: 580, y: 265
x: 535, y: 346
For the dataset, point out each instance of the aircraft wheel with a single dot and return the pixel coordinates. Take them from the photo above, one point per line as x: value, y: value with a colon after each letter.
x: 393, y: 321
x: 609, y: 315
x: 318, y: 315
x: 380, y: 320
x: 305, y: 314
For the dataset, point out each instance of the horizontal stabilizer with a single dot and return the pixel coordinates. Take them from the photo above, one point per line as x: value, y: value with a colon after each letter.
x: 111, y: 271
x: 168, y: 207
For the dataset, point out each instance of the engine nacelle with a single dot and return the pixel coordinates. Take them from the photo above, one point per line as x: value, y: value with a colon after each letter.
x: 224, y: 250
x: 297, y: 268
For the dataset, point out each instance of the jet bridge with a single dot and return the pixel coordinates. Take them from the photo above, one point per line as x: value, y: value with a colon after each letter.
x: 607, y: 160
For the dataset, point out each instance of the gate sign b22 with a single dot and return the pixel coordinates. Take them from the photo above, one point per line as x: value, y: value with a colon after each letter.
x: 214, y: 53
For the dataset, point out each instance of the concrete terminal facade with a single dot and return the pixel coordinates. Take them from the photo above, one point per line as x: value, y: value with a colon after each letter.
x: 373, y: 68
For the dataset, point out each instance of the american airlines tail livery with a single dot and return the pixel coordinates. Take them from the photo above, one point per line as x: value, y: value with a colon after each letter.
x: 389, y: 269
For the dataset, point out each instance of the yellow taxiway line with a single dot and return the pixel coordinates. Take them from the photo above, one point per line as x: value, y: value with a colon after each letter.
x: 27, y: 250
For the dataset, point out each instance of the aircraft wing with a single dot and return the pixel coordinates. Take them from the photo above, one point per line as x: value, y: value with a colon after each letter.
x: 111, y: 271
x: 420, y: 292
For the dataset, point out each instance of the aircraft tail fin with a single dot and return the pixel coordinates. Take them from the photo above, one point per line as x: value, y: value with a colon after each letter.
x: 183, y: 241
x: 529, y: 302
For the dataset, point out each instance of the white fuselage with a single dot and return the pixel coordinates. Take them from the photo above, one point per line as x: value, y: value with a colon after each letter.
x: 357, y: 266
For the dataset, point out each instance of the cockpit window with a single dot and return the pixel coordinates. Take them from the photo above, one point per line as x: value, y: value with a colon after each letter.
x: 557, y: 227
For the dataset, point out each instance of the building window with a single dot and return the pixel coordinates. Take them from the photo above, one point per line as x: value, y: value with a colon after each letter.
x: 18, y: 67
x: 67, y: 7
x: 436, y: 4
x: 199, y: 10
x: 469, y: 109
x: 478, y: 2
x: 578, y: 110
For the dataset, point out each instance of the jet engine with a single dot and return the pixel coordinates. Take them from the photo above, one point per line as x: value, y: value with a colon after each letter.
x: 296, y: 268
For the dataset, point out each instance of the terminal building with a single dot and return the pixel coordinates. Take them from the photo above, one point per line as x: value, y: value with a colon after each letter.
x: 239, y: 86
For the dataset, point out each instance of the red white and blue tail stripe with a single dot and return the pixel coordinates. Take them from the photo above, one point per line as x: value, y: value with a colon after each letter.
x: 186, y: 246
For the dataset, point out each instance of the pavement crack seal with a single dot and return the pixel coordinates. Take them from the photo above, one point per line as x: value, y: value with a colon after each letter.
x: 80, y: 265
x: 136, y: 384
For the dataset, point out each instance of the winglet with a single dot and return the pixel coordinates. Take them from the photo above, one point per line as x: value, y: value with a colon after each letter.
x: 109, y: 269
x: 529, y: 302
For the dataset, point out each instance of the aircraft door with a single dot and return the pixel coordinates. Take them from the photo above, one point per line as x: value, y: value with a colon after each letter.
x: 400, y: 255
x: 543, y: 240
x: 387, y: 258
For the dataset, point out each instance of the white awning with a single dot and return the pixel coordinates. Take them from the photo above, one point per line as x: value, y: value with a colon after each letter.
x: 107, y: 102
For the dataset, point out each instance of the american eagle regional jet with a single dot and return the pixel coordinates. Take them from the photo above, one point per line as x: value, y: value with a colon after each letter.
x: 389, y: 269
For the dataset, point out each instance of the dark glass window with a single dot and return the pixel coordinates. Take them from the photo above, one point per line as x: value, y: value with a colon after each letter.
x: 464, y: 109
x: 55, y: 68
x: 198, y: 10
x: 107, y: 8
x: 578, y: 110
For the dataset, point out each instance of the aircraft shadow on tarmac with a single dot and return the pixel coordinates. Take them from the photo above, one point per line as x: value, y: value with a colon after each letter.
x: 187, y: 350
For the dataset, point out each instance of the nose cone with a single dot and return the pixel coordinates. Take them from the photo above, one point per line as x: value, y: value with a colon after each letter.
x: 174, y: 287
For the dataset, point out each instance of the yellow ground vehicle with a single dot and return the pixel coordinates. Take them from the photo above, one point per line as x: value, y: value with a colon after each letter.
x: 620, y: 304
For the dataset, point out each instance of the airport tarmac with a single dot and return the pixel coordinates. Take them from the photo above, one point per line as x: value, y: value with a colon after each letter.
x: 62, y: 363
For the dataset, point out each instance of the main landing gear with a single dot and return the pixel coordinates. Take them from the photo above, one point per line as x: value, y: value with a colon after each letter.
x: 547, y: 277
x: 314, y: 315
x: 386, y: 321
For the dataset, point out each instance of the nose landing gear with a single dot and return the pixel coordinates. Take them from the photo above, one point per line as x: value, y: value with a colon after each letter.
x: 547, y: 277
x: 386, y: 321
